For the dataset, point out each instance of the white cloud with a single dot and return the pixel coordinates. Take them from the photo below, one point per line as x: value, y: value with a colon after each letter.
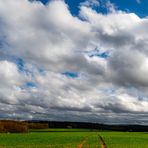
x: 11, y: 82
x: 50, y: 40
x: 91, y: 3
x: 138, y: 1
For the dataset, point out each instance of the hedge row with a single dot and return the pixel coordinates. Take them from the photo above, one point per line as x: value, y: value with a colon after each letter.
x: 13, y: 127
x: 37, y: 125
x: 8, y: 126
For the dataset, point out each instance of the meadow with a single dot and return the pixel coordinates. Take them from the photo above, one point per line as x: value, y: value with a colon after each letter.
x: 125, y: 139
x: 73, y: 138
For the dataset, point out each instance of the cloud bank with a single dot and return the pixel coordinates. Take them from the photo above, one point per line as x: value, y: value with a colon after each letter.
x: 56, y: 66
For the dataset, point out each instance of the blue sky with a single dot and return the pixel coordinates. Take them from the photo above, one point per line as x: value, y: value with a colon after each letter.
x: 140, y: 8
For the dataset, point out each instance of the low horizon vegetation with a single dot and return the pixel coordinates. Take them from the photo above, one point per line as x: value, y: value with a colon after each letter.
x: 72, y: 138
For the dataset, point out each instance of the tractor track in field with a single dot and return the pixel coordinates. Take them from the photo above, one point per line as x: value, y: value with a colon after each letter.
x: 81, y: 145
x: 103, y: 144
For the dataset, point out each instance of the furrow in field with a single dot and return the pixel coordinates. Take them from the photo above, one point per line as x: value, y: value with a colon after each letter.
x: 103, y: 144
x: 83, y: 142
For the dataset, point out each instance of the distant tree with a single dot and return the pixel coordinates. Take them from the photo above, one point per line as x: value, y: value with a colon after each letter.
x: 8, y: 126
x: 38, y: 125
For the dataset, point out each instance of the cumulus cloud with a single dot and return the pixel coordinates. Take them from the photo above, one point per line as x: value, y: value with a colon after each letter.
x: 107, y: 52
x: 138, y: 1
x: 91, y: 3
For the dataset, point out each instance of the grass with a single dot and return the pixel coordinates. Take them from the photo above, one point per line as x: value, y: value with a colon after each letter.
x: 125, y: 139
x: 44, y: 138
x: 71, y: 138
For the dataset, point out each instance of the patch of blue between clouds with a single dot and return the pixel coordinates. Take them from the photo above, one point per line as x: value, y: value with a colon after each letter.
x: 70, y: 74
x: 133, y: 6
x: 20, y: 64
x: 21, y: 67
x: 74, y: 6
x: 104, y: 55
x: 98, y: 53
x: 140, y: 9
x: 30, y: 84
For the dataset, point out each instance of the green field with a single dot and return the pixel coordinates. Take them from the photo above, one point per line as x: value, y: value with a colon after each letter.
x: 72, y: 138
x: 125, y: 139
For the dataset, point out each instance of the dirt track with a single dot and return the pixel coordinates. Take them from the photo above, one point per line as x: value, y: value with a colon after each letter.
x: 83, y: 142
x: 103, y: 144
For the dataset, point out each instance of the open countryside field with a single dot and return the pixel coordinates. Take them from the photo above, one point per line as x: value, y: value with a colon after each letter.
x: 73, y: 138
x: 125, y: 139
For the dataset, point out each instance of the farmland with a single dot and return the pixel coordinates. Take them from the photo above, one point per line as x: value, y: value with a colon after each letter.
x: 73, y: 138
x: 125, y: 139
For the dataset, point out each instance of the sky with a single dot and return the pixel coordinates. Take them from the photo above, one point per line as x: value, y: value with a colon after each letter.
x: 74, y: 60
